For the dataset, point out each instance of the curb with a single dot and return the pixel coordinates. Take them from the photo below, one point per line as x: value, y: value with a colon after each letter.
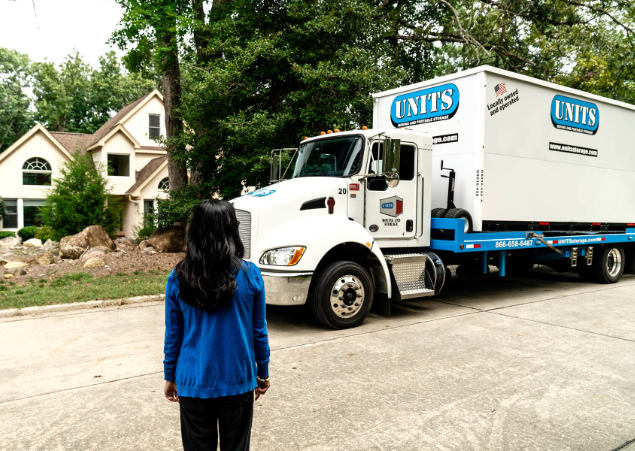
x: 78, y: 306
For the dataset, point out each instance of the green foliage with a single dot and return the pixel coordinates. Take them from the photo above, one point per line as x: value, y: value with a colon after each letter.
x: 74, y: 97
x: 44, y: 233
x: 143, y: 233
x: 26, y: 233
x: 15, y: 116
x: 3, y: 208
x: 80, y: 197
x: 7, y: 235
x: 180, y: 206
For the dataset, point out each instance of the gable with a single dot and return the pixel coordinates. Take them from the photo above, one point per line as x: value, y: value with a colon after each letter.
x: 43, y: 139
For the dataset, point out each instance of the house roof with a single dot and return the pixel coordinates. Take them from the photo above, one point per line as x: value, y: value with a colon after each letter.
x: 144, y: 174
x: 73, y: 141
x: 116, y: 119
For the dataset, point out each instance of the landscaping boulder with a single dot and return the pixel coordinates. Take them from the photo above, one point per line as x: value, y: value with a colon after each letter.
x: 13, y: 265
x: 94, y: 236
x: 45, y: 259
x: 143, y: 244
x: 169, y: 239
x: 127, y: 245
x: 33, y: 242
x: 95, y: 252
x: 17, y: 271
x: 94, y: 262
x: 10, y: 241
x: 51, y: 245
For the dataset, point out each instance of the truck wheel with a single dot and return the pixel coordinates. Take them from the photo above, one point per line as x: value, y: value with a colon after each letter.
x: 341, y: 295
x: 457, y: 213
x: 609, y: 266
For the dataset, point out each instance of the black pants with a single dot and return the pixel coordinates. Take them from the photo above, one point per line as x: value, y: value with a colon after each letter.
x: 199, y: 419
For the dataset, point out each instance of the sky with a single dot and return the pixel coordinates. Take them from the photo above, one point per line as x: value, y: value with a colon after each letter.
x: 60, y: 27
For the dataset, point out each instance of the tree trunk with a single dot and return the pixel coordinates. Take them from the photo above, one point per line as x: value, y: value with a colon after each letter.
x: 171, y: 79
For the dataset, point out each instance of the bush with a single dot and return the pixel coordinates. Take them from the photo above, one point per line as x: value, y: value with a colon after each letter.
x: 3, y: 209
x: 44, y: 233
x: 144, y: 232
x: 26, y: 233
x: 7, y: 235
x: 80, y: 197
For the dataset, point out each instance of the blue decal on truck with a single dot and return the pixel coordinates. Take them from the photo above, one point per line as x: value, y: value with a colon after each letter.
x: 575, y: 115
x: 428, y: 105
x: 262, y: 192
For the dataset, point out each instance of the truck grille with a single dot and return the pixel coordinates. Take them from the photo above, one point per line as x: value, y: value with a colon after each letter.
x: 244, y: 230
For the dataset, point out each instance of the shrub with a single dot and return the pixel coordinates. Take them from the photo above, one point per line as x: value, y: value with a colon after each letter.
x: 80, y: 197
x: 44, y: 233
x: 7, y: 234
x: 26, y: 233
x: 3, y: 209
x: 144, y: 232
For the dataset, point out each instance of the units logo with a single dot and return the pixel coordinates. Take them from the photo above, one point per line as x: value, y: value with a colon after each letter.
x: 428, y: 105
x: 262, y: 192
x: 392, y: 206
x: 575, y: 115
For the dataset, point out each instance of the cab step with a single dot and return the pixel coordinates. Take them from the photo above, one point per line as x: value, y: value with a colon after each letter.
x: 410, y: 275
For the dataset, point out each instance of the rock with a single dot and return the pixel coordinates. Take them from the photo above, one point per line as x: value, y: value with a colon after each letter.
x: 8, y: 276
x: 12, y: 265
x: 94, y: 252
x: 10, y: 241
x: 33, y: 242
x: 169, y: 239
x: 143, y: 244
x: 17, y: 271
x: 148, y: 249
x: 94, y: 262
x: 51, y: 245
x: 45, y: 259
x: 94, y: 236
x: 127, y: 245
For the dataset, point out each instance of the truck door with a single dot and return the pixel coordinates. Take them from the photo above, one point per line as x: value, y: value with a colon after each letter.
x: 391, y: 212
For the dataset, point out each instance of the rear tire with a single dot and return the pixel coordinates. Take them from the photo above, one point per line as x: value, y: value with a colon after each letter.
x: 341, y: 295
x: 609, y: 267
x: 456, y: 213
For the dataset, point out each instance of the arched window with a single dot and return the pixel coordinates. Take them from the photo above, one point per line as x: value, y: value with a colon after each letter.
x: 164, y: 185
x: 36, y: 171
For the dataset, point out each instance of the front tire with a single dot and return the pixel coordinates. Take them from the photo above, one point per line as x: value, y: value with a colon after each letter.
x: 341, y: 295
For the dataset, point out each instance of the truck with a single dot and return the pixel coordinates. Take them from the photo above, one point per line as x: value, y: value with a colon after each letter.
x: 480, y: 169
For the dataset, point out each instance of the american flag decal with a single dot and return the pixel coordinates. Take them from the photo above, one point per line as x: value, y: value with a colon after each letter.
x: 500, y: 89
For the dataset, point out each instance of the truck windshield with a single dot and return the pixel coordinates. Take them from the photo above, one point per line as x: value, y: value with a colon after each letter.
x: 332, y: 157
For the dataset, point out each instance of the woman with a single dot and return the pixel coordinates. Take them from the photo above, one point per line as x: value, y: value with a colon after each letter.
x: 216, y: 344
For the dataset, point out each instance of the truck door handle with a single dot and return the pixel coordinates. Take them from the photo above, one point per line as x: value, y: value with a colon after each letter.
x: 409, y: 225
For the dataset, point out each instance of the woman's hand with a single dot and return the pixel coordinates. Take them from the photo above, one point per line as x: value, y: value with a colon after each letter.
x: 262, y: 388
x: 170, y: 391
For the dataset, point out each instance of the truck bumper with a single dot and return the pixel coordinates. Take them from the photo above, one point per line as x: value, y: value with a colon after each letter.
x: 286, y: 288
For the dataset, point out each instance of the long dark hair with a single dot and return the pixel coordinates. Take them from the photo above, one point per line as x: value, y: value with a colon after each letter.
x: 207, y: 274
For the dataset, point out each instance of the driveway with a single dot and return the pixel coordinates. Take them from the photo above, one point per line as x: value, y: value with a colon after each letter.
x: 544, y: 362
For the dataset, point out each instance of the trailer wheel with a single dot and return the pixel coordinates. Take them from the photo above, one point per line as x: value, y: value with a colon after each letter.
x: 341, y: 295
x: 456, y: 213
x: 609, y: 267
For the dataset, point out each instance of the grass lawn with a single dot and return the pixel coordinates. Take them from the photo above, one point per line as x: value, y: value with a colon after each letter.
x: 78, y: 287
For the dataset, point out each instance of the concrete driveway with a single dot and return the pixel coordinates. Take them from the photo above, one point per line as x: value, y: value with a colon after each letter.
x: 544, y: 362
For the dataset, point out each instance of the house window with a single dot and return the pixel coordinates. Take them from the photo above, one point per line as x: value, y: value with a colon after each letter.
x: 155, y: 126
x: 164, y: 185
x: 148, y: 212
x: 10, y: 221
x: 31, y: 211
x: 36, y: 172
x: 119, y: 165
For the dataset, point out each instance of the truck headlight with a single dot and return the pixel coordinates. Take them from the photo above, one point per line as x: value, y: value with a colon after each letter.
x: 284, y: 256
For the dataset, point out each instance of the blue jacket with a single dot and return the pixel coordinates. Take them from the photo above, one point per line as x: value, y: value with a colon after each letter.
x: 212, y: 354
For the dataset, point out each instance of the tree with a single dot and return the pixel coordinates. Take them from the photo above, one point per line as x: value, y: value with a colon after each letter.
x: 152, y: 28
x: 77, y: 98
x: 79, y: 198
x: 15, y: 117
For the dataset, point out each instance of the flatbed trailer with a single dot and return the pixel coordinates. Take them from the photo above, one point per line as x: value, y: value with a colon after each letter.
x: 483, y: 248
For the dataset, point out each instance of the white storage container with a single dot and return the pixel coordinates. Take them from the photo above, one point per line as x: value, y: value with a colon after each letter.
x: 523, y: 149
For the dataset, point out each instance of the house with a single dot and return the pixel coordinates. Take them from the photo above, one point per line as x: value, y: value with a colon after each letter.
x: 125, y: 145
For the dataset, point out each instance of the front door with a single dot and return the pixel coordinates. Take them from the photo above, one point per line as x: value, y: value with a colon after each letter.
x: 390, y: 212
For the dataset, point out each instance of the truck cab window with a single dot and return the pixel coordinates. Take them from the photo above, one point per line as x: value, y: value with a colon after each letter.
x: 406, y: 166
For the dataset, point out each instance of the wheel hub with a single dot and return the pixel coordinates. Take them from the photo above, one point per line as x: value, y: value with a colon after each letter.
x: 614, y: 262
x: 347, y: 296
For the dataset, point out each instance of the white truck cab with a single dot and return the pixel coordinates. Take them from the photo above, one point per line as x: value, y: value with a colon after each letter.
x: 320, y: 236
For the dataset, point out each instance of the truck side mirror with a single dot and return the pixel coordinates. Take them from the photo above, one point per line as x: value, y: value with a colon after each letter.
x: 274, y: 172
x: 392, y: 151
